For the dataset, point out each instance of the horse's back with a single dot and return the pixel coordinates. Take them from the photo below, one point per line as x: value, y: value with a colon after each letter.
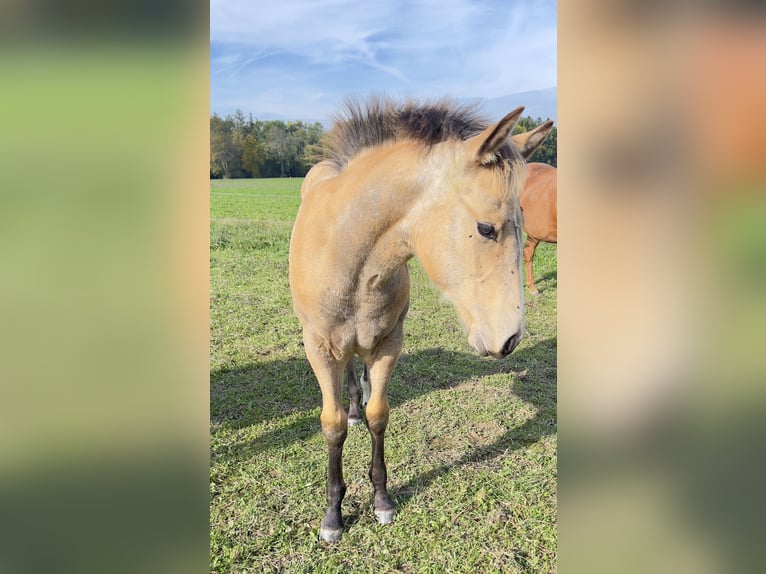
x: 311, y: 255
x: 308, y: 258
x: 538, y: 200
x: 320, y: 172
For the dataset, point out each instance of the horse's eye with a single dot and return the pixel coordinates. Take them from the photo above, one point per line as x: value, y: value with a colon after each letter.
x: 486, y: 230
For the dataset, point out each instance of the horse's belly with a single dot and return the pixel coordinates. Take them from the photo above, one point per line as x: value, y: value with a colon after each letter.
x: 540, y: 219
x: 548, y: 235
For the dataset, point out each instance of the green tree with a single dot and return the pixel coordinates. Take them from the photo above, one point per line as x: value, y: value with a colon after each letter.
x: 238, y: 122
x: 219, y: 158
x: 225, y: 148
x: 252, y: 156
x: 280, y: 144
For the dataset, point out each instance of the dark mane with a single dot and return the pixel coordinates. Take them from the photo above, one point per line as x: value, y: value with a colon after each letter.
x: 364, y: 123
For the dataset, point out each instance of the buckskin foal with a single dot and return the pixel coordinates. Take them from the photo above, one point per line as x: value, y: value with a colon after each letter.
x: 402, y: 180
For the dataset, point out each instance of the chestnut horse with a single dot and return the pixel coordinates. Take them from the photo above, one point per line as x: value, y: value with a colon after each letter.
x: 401, y: 180
x: 538, y: 202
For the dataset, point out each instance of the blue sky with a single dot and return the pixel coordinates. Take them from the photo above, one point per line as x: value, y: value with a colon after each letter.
x: 297, y: 59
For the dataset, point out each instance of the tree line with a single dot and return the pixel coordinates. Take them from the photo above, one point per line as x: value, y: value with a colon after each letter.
x: 241, y: 148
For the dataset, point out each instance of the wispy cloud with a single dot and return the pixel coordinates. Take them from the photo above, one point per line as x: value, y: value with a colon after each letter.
x: 303, y: 56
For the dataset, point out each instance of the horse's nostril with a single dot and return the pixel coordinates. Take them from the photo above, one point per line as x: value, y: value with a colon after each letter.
x: 510, y: 344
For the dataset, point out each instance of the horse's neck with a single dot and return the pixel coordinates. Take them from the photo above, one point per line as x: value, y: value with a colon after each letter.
x: 385, y: 203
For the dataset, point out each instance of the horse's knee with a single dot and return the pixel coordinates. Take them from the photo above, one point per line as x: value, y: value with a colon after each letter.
x: 334, y: 425
x: 377, y: 426
x: 377, y: 416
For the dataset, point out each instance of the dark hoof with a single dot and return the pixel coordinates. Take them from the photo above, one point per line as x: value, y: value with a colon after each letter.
x: 330, y: 535
x: 385, y: 516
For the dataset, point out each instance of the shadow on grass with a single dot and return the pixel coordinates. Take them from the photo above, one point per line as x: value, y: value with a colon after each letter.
x: 547, y: 281
x: 537, y: 386
x: 550, y: 275
x: 269, y: 392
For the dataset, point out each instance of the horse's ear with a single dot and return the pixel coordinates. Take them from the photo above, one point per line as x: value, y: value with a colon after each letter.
x: 529, y: 141
x: 494, y: 137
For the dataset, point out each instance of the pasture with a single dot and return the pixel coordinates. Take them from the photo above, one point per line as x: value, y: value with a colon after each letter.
x: 470, y: 446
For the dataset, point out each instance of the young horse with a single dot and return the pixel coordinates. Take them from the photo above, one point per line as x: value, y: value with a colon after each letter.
x: 538, y: 201
x: 431, y: 181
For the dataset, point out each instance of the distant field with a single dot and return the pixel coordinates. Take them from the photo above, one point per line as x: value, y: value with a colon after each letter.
x: 470, y: 447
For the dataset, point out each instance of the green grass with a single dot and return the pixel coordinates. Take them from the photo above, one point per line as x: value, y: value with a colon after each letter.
x: 470, y: 447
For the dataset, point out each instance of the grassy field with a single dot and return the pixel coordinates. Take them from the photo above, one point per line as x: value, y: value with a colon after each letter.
x: 470, y: 446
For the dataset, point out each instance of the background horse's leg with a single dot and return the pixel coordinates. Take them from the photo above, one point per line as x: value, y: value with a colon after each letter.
x: 365, y: 383
x: 354, y: 399
x: 382, y: 365
x: 529, y: 253
x: 329, y: 373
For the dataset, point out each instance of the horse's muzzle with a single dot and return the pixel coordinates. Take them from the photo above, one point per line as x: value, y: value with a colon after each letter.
x: 481, y: 348
x: 510, y: 344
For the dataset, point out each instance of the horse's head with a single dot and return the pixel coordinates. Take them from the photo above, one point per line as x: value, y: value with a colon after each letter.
x: 470, y: 242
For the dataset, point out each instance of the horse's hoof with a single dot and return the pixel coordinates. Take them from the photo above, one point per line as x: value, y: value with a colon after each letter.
x: 385, y: 516
x: 329, y: 535
x: 354, y: 421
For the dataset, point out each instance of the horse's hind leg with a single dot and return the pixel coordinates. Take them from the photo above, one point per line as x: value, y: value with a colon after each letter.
x: 354, y: 401
x: 529, y: 253
x: 381, y: 366
x: 329, y: 373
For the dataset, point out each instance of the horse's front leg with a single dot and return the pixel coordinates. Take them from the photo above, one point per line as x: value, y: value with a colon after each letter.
x: 381, y: 365
x: 529, y: 254
x: 329, y: 373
